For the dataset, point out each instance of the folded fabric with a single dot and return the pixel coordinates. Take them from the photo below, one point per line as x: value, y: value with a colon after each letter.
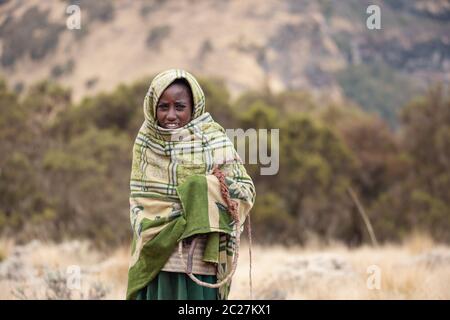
x: 173, y: 194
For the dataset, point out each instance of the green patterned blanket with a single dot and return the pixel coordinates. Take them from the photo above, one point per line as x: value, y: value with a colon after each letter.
x: 174, y: 194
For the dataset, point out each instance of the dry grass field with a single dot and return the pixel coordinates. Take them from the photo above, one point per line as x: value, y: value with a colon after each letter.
x: 417, y: 269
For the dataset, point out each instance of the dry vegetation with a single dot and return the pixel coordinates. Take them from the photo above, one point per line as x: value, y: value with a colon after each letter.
x: 418, y: 269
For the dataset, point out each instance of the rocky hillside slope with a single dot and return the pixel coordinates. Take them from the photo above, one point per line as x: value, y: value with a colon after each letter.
x: 290, y: 44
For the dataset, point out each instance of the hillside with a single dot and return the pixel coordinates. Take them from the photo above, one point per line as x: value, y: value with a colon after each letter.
x: 321, y: 46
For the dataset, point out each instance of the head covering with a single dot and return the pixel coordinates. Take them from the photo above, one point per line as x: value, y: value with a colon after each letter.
x: 173, y: 193
x: 161, y: 82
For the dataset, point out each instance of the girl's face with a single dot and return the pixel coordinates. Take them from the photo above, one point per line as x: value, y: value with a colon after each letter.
x: 174, y: 108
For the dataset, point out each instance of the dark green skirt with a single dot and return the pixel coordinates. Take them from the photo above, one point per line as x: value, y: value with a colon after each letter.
x: 177, y: 286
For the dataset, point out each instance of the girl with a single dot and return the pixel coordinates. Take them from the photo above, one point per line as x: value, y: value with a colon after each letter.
x: 190, y: 195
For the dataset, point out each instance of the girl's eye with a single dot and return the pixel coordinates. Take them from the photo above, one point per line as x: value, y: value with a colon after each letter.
x: 180, y: 107
x: 162, y: 107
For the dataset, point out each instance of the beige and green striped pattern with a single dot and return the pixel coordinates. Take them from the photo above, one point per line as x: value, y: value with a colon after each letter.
x: 173, y: 193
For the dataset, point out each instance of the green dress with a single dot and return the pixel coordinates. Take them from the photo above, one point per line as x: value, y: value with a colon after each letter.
x: 177, y: 286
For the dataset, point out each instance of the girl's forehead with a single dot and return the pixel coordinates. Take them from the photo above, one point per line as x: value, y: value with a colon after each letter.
x: 176, y: 91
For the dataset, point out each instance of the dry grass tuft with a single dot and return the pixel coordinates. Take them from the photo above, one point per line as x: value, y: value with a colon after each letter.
x: 6, y: 246
x: 417, y: 269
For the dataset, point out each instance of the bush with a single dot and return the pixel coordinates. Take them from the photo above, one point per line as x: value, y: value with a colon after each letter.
x: 377, y: 89
x: 157, y: 35
x: 64, y: 170
x: 32, y: 35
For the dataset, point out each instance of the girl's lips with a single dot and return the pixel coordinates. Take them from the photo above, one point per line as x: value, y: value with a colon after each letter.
x: 171, y: 126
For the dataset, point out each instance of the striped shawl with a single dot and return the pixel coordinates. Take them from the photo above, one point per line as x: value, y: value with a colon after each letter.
x: 173, y: 192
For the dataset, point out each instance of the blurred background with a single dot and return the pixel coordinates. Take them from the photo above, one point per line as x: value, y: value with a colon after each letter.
x: 364, y: 119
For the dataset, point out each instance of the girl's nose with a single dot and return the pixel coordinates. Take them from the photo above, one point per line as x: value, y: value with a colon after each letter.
x: 171, y: 115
